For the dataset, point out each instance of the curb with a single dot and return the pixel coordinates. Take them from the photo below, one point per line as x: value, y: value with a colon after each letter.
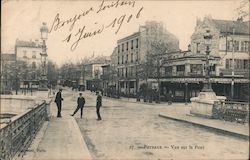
x: 88, y: 155
x: 218, y: 130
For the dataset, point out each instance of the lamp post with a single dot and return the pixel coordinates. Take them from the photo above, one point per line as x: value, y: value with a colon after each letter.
x: 44, y: 36
x: 207, y: 85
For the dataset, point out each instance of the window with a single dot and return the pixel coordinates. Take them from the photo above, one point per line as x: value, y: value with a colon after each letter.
x: 122, y: 85
x: 122, y: 59
x: 121, y: 74
x: 24, y: 54
x: 118, y: 59
x: 132, y: 44
x: 122, y: 47
x: 118, y: 48
x: 236, y: 45
x: 246, y: 64
x: 137, y: 56
x: 168, y: 70
x: 132, y: 58
x: 127, y: 58
x: 126, y: 72
x: 212, y: 68
x: 229, y: 45
x: 33, y: 65
x: 137, y: 43
x: 180, y: 68
x: 242, y: 46
x: 197, y: 47
x: 247, y: 46
x: 227, y: 64
x: 127, y: 46
x: 131, y: 84
x: 196, y: 68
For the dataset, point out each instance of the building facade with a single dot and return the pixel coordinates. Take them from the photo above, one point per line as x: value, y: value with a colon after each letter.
x: 29, y: 52
x: 133, y: 52
x: 184, y: 71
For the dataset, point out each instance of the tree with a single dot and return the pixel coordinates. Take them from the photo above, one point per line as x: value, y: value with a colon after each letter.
x: 52, y: 73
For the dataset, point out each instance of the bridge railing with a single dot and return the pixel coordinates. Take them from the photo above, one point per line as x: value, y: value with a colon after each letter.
x: 19, y: 132
x: 232, y: 111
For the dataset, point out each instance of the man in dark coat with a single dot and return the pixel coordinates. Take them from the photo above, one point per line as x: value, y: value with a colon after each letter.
x: 98, y: 105
x: 58, y: 101
x: 80, y: 104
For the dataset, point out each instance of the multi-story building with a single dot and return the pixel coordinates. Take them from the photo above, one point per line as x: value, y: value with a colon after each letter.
x: 133, y: 51
x: 93, y: 72
x: 109, y: 75
x: 184, y: 71
x: 29, y: 52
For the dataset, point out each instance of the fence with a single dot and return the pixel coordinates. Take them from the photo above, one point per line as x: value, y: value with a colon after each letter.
x: 232, y: 111
x: 17, y: 135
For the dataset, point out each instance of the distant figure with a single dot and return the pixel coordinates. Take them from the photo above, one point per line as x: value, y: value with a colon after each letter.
x: 58, y: 101
x: 98, y: 105
x: 80, y: 104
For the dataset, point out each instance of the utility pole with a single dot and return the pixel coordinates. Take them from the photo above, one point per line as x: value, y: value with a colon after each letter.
x: 232, y: 66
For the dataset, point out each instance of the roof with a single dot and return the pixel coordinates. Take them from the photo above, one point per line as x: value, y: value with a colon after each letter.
x: 128, y: 37
x: 8, y: 57
x: 226, y: 26
x: 32, y: 44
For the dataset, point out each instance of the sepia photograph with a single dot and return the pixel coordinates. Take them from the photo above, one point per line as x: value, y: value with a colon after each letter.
x: 124, y: 80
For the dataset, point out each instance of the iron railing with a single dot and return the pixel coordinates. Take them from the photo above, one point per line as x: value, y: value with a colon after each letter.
x: 17, y: 135
x: 232, y: 111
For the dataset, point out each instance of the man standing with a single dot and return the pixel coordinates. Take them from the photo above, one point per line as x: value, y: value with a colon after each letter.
x: 80, y: 104
x: 58, y: 101
x: 98, y: 105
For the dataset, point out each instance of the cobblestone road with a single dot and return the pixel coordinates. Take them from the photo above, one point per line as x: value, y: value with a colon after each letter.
x: 135, y: 131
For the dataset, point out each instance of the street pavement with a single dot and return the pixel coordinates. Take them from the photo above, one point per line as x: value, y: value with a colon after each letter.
x: 132, y: 130
x: 129, y: 130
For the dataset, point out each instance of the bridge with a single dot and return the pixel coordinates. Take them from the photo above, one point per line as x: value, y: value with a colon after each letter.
x: 20, y: 129
x: 35, y: 133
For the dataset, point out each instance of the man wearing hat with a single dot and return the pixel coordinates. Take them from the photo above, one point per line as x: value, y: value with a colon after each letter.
x: 80, y: 104
x: 58, y: 101
x: 98, y: 105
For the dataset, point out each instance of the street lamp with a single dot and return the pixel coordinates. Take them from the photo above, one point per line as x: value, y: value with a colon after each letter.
x: 44, y: 36
x: 207, y: 41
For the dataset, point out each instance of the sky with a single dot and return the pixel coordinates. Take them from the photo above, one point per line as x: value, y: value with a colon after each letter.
x: 23, y: 19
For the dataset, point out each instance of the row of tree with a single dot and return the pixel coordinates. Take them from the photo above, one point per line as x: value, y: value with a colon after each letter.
x: 13, y: 73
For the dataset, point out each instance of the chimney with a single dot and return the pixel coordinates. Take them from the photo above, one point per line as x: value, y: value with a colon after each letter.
x: 189, y: 47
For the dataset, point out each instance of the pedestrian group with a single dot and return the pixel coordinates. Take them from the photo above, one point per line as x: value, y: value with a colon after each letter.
x: 80, y: 104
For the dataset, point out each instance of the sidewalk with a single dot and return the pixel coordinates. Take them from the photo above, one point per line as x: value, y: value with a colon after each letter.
x: 182, y: 114
x: 58, y: 139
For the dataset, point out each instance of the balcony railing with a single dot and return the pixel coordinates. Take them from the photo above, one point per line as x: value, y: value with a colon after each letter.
x: 21, y: 130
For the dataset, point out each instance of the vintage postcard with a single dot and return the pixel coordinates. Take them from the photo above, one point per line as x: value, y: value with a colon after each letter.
x: 124, y: 79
